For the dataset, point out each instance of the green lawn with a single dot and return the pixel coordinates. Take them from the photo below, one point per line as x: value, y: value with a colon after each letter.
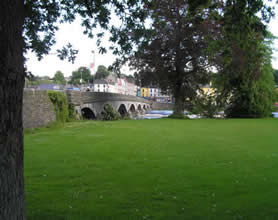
x: 153, y: 169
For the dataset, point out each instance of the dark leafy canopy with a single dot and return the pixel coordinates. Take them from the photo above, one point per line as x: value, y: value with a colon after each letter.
x: 42, y: 19
x: 82, y: 75
x: 174, y: 55
x: 244, y: 59
x: 275, y: 74
x: 102, y: 72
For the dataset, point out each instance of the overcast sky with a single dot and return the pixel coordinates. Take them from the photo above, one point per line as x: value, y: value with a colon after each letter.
x: 73, y: 33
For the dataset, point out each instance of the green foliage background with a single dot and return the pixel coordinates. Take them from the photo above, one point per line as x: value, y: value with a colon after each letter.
x: 102, y: 72
x: 59, y: 78
x: 60, y: 103
x: 81, y: 72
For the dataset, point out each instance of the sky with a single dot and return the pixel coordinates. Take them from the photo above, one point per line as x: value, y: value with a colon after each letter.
x: 73, y: 33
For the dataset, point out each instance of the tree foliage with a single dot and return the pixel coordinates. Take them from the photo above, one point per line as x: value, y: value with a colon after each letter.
x: 275, y: 74
x: 109, y: 114
x: 173, y: 54
x: 102, y: 72
x: 59, y: 78
x: 81, y: 75
x: 244, y: 76
x: 42, y: 19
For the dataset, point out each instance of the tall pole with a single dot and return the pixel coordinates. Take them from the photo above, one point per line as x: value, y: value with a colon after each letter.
x: 94, y: 62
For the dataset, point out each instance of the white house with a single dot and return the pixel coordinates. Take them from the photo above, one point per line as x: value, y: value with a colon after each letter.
x: 157, y: 95
x: 101, y: 85
x: 114, y: 84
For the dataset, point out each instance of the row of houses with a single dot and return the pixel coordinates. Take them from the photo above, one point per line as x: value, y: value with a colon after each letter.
x: 155, y: 94
x: 127, y: 86
x: 115, y: 84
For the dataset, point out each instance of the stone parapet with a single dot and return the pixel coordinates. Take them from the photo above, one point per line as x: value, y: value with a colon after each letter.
x: 77, y: 97
x: 38, y: 110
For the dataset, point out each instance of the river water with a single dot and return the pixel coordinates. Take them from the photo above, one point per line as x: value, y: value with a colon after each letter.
x: 162, y: 114
x: 155, y: 114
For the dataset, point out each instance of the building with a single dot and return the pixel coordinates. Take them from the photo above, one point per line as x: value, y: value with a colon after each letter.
x: 155, y: 92
x: 131, y: 89
x: 114, y: 84
x: 157, y: 95
x: 101, y: 85
x: 121, y: 86
x: 207, y: 89
x: 138, y: 91
x: 145, y: 92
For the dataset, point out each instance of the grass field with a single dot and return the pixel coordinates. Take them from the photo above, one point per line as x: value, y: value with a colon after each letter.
x: 153, y: 169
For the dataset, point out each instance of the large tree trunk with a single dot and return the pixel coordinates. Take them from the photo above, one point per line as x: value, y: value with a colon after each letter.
x: 12, y: 198
x: 179, y: 105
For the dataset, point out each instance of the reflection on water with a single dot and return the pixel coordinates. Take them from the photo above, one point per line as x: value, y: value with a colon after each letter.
x: 162, y: 114
x: 165, y: 113
x: 156, y: 114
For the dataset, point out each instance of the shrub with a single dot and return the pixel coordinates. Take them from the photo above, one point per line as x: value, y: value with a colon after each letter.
x: 72, y: 113
x: 206, y: 105
x: 60, y: 102
x: 109, y: 114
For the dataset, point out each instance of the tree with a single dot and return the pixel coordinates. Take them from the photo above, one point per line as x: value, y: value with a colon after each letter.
x: 31, y: 25
x: 102, y: 72
x: 12, y: 200
x: 59, y: 78
x: 81, y: 73
x: 275, y: 74
x: 244, y: 75
x: 173, y: 56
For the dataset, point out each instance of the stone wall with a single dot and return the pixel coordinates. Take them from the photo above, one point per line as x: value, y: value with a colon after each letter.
x: 75, y: 97
x: 162, y: 106
x: 38, y: 110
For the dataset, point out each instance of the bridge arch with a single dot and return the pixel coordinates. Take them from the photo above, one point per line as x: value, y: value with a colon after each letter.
x: 139, y: 107
x: 122, y: 110
x: 132, y: 108
x: 88, y: 113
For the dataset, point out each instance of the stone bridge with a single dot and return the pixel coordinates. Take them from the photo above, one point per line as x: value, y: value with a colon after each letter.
x: 90, y: 104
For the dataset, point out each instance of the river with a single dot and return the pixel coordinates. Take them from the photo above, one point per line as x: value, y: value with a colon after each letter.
x: 155, y: 114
